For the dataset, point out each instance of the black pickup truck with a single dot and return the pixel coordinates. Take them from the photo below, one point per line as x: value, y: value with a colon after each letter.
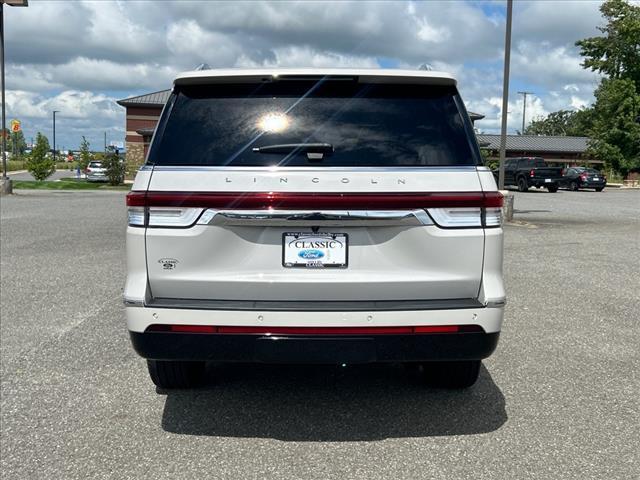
x: 525, y: 172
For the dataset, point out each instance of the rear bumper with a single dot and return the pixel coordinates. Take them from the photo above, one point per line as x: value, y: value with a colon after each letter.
x: 139, y: 318
x: 327, y: 348
x: 315, y: 349
x: 540, y: 182
x: 593, y: 184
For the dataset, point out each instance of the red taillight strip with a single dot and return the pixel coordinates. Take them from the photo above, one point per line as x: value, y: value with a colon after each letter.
x: 241, y: 330
x: 186, y: 328
x: 336, y: 201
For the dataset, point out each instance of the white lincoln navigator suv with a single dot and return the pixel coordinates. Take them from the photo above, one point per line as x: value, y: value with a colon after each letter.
x: 328, y: 216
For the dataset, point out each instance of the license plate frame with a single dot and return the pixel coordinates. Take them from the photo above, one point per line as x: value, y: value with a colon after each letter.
x: 291, y: 262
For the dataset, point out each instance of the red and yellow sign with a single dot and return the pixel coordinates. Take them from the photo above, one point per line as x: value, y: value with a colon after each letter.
x: 15, y: 126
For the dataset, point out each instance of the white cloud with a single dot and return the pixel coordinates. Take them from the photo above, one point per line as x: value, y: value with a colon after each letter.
x: 79, y: 57
x: 296, y: 56
x: 545, y: 64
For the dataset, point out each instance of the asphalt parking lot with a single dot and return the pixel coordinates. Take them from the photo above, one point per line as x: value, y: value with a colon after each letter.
x: 559, y: 398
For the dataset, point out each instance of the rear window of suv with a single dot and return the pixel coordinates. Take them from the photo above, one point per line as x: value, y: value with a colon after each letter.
x: 277, y: 123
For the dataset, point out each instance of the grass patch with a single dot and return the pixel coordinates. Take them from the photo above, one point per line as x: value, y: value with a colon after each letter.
x: 69, y: 183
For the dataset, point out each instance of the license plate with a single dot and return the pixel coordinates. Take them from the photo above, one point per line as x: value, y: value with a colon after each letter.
x: 314, y: 250
x: 596, y: 179
x: 547, y: 180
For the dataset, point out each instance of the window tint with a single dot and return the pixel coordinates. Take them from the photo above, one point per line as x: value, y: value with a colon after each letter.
x: 95, y: 164
x: 365, y: 124
x: 538, y: 162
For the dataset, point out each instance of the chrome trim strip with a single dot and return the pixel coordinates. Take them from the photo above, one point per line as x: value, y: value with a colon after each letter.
x: 291, y: 218
x: 205, y: 168
x: 317, y: 306
x: 130, y: 302
x: 496, y: 303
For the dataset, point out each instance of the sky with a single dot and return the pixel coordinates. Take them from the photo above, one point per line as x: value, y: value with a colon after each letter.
x: 79, y: 57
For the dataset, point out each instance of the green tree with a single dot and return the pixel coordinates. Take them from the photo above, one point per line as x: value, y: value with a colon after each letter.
x: 563, y: 123
x: 616, y: 54
x: 16, y: 143
x: 39, y: 163
x: 114, y: 168
x: 616, y: 131
x: 85, y: 154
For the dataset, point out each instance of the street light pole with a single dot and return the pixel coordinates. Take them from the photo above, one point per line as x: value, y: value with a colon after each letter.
x: 54, y: 135
x: 4, y: 119
x: 5, y: 184
x: 524, y: 109
x: 505, y: 95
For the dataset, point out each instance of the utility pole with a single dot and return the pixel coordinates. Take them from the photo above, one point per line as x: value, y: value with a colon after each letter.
x: 5, y: 184
x: 105, y: 142
x: 505, y: 94
x: 54, y: 135
x: 524, y: 109
x: 5, y: 179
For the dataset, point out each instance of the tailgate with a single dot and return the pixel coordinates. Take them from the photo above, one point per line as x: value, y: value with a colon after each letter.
x: 548, y: 172
x: 235, y: 248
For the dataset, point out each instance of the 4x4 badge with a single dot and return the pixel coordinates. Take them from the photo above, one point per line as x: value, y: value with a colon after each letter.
x: 168, y: 263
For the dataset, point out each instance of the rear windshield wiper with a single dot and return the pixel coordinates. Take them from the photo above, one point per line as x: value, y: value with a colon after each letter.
x: 313, y: 150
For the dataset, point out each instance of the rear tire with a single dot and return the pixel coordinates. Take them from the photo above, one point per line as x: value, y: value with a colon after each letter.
x: 175, y: 374
x: 599, y: 189
x: 523, y: 186
x: 454, y: 375
x: 574, y: 186
x: 552, y: 188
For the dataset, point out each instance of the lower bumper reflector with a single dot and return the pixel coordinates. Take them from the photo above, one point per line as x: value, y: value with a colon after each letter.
x: 239, y: 330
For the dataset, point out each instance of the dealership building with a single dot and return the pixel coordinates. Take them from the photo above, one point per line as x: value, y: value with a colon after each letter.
x: 143, y: 113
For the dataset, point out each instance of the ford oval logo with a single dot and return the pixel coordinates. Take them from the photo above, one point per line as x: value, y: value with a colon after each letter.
x: 310, y: 254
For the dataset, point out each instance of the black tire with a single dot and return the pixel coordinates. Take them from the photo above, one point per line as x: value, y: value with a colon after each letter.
x: 552, y: 188
x: 175, y: 374
x: 523, y: 186
x: 574, y: 187
x: 599, y: 189
x: 454, y: 375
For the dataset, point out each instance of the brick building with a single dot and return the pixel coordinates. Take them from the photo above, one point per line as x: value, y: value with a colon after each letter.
x: 143, y: 113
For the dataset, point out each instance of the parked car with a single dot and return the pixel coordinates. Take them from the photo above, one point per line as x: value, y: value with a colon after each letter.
x: 575, y: 178
x: 95, y: 172
x: 525, y: 172
x: 275, y: 222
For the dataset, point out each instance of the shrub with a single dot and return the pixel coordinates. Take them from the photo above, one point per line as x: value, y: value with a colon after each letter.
x: 39, y: 164
x: 85, y: 156
x: 114, y: 168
